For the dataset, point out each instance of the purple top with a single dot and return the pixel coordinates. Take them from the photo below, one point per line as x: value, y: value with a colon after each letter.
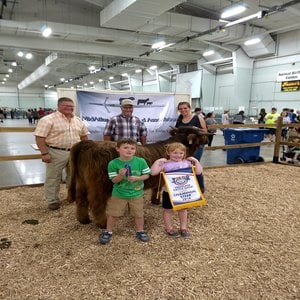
x: 175, y: 165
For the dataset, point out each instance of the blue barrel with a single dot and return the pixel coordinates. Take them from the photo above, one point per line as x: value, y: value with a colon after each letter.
x: 243, y: 136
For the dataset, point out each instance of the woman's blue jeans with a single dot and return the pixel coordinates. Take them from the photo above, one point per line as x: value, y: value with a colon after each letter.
x: 198, y: 154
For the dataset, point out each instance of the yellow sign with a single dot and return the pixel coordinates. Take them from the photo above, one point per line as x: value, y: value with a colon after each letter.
x: 290, y: 86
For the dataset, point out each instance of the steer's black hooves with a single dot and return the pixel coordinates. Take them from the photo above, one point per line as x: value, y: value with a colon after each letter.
x: 85, y: 221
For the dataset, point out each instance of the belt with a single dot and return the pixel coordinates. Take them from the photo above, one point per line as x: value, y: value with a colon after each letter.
x: 63, y: 149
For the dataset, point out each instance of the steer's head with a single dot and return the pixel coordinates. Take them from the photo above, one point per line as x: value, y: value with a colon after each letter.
x: 190, y: 136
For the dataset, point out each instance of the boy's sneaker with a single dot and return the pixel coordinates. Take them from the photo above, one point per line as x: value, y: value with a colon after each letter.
x: 142, y: 236
x: 173, y: 233
x: 184, y: 233
x: 105, y: 237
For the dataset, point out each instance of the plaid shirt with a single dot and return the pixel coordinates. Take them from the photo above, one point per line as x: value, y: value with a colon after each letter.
x: 119, y: 127
x: 59, y: 131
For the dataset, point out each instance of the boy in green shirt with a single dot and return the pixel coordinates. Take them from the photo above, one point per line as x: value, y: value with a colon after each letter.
x: 128, y: 173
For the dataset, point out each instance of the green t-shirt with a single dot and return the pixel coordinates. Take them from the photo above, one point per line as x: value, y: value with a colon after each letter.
x: 125, y: 188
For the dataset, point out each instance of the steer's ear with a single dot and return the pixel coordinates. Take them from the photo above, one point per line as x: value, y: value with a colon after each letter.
x: 173, y: 131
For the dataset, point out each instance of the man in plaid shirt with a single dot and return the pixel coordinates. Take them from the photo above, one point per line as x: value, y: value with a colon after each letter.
x: 125, y: 125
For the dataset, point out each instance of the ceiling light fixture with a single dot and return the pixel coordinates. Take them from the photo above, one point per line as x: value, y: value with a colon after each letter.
x: 138, y: 71
x: 46, y: 31
x: 252, y: 41
x: 28, y: 55
x: 233, y: 11
x: 14, y: 64
x: 260, y: 14
x: 158, y: 45
x: 208, y: 53
x: 154, y: 67
x: 20, y: 54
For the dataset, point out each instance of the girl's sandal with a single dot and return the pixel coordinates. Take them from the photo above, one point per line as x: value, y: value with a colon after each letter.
x: 173, y: 233
x: 185, y: 233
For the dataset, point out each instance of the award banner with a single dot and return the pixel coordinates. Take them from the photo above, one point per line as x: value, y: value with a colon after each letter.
x: 183, y: 188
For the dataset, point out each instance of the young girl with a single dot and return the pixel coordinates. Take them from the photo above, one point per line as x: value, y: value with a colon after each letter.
x: 176, y: 153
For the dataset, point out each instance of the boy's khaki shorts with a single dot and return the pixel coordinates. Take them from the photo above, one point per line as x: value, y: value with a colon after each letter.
x: 116, y: 207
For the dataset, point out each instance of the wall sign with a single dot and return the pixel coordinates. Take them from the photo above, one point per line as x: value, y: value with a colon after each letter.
x: 290, y: 86
x: 288, y: 75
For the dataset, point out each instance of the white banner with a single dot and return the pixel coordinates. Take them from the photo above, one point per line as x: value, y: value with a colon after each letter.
x: 158, y: 112
x: 182, y: 185
x: 183, y: 188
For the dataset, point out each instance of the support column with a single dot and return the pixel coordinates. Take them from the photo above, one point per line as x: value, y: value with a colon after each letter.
x: 242, y: 70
